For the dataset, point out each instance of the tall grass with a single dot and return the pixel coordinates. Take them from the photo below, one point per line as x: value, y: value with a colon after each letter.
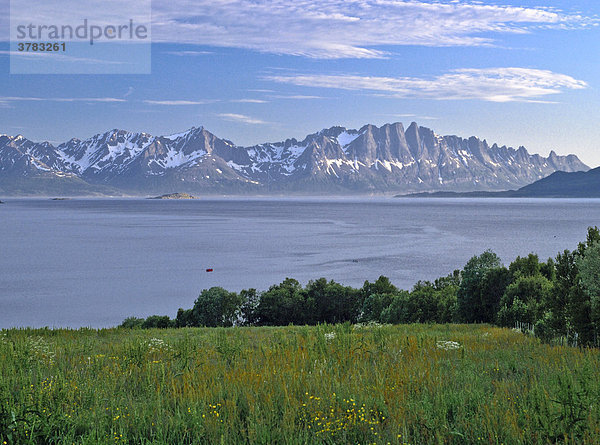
x: 295, y: 385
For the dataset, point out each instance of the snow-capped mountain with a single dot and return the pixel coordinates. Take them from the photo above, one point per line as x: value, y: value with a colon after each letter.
x: 371, y: 159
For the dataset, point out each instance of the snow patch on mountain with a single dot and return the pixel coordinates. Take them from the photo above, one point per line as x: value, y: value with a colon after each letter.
x: 175, y: 158
x: 345, y: 138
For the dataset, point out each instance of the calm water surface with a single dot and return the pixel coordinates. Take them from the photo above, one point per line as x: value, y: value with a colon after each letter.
x: 93, y: 262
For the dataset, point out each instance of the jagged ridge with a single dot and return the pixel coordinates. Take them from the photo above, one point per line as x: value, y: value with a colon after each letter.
x: 371, y: 159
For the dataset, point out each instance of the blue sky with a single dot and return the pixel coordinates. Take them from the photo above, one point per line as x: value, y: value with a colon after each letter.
x: 515, y: 72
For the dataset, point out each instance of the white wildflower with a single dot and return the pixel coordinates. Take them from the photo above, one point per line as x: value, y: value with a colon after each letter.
x: 157, y: 345
x: 371, y: 324
x: 329, y: 336
x: 41, y: 350
x: 448, y: 345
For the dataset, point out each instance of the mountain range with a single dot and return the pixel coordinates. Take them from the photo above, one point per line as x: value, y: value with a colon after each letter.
x: 371, y: 159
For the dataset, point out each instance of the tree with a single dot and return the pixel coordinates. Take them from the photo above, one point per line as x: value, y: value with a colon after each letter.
x: 559, y: 298
x: 158, y: 321
x: 548, y: 269
x: 493, y: 286
x: 589, y: 279
x: 529, y: 292
x: 528, y: 266
x: 452, y: 279
x: 470, y: 307
x: 332, y: 302
x: 580, y: 315
x: 132, y: 323
x: 400, y: 309
x: 374, y: 306
x: 216, y: 307
x: 426, y: 303
x: 423, y: 302
x: 248, y: 310
x: 381, y: 286
x: 185, y: 318
x: 509, y: 315
x: 284, y: 304
x: 375, y: 297
x: 447, y: 303
x: 593, y: 236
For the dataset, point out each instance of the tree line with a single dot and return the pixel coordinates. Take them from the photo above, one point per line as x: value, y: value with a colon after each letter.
x: 559, y: 298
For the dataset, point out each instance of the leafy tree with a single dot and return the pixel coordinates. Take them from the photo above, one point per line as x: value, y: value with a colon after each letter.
x: 185, y: 318
x: 433, y: 303
x: 216, y: 307
x: 580, y: 315
x: 284, y: 304
x: 528, y: 266
x: 332, y: 302
x: 579, y: 307
x: 452, y: 279
x: 424, y: 303
x: 548, y: 269
x: 381, y: 286
x: 374, y: 306
x: 558, y: 302
x: 493, y: 286
x: 531, y: 291
x: 589, y: 278
x: 400, y: 309
x: 570, y: 303
x: 132, y: 323
x: 447, y: 306
x: 427, y: 303
x: 508, y: 315
x: 248, y: 310
x: 158, y: 321
x: 375, y: 297
x: 544, y: 328
x: 470, y: 307
x: 593, y: 236
x: 443, y: 298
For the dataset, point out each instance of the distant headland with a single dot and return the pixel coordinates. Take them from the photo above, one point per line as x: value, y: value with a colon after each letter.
x: 175, y: 196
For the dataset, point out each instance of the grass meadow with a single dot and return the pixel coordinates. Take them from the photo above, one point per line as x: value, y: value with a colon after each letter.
x: 346, y: 384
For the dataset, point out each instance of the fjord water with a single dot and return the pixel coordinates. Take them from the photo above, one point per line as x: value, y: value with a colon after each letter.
x: 93, y: 262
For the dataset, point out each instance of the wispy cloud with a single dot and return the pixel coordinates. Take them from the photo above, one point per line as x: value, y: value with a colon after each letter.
x: 254, y: 90
x: 250, y: 101
x: 242, y: 118
x: 490, y: 84
x: 349, y: 28
x: 178, y: 102
x: 296, y: 97
x: 56, y: 57
x: 412, y: 116
x: 60, y: 99
x: 324, y: 28
x: 129, y: 92
x: 188, y: 53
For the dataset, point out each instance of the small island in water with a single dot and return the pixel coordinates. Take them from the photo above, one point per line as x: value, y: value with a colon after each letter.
x: 175, y: 196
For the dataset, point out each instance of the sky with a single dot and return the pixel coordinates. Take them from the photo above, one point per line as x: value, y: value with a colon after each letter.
x: 513, y: 72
